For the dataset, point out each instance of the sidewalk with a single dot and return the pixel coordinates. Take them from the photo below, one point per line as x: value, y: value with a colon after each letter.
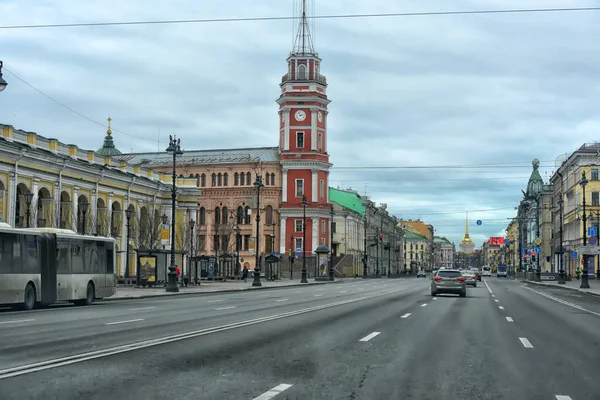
x: 209, y: 287
x: 572, y: 285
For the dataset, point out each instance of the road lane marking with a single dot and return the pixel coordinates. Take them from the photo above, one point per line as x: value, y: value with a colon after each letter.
x: 526, y: 343
x: 16, y: 321
x: 318, y: 295
x: 124, y: 322
x: 488, y: 287
x: 406, y: 315
x: 497, y: 301
x: 273, y: 392
x: 282, y: 300
x: 423, y: 305
x: 435, y: 298
x: 566, y: 303
x: 509, y: 319
x: 562, y: 397
x: 142, y: 308
x: 225, y: 308
x: 216, y: 301
x: 343, y: 291
x: 500, y: 307
x: 107, y: 352
x: 493, y: 295
x: 369, y: 337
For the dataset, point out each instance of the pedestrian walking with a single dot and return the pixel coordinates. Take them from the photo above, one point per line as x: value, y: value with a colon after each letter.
x: 177, y: 273
x: 245, y: 273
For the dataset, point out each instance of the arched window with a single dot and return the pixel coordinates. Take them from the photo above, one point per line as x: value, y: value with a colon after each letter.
x: 269, y: 215
x: 197, y: 180
x: 203, y: 180
x: 301, y: 72
x: 225, y: 215
x: 240, y: 215
x: 267, y: 179
x: 217, y: 216
x: 213, y: 179
x: 181, y: 175
x: 247, y: 214
x: 202, y: 216
x: 273, y: 178
x: 225, y: 179
x: 248, y: 178
x: 220, y: 179
x: 236, y: 179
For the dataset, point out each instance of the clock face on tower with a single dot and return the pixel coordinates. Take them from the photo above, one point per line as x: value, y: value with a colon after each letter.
x: 300, y: 116
x: 320, y: 116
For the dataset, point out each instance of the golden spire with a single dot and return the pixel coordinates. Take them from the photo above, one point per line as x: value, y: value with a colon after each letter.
x: 108, y: 131
x: 467, y: 238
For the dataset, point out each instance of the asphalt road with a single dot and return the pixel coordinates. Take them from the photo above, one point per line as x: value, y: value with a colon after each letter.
x: 366, y: 339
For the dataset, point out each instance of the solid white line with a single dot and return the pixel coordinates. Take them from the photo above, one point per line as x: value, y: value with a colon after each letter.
x: 500, y: 307
x: 16, y: 321
x: 423, y: 305
x: 562, y: 397
x: 273, y: 392
x: 92, y: 355
x: 318, y: 295
x: 224, y: 308
x: 124, y: 322
x: 369, y: 337
x: 497, y: 301
x: 526, y: 343
x: 216, y: 301
x: 509, y: 319
x: 282, y: 300
x: 566, y: 303
x: 140, y: 309
x: 493, y: 295
x: 406, y: 315
x: 488, y: 287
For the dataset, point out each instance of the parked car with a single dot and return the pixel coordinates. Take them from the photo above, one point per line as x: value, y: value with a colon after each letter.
x: 449, y: 281
x: 470, y: 278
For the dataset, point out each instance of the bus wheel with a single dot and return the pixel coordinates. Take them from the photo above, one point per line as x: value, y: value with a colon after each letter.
x: 29, y: 297
x: 89, y: 294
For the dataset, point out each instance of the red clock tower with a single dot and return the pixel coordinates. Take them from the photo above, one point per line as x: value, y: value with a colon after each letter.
x: 303, y: 147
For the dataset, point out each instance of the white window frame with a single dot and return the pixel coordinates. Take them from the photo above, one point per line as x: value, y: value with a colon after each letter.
x: 298, y: 133
x: 296, y: 241
x: 296, y: 225
x: 296, y: 188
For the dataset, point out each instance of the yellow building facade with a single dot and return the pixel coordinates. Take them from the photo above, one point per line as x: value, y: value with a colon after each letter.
x: 63, y: 179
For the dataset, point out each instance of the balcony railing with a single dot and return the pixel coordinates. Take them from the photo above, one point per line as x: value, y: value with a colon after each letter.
x: 318, y: 77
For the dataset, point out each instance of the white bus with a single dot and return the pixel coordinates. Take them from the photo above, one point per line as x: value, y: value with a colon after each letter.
x: 40, y: 266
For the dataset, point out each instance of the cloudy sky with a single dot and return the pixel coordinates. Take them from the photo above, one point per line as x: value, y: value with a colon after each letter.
x: 490, y: 92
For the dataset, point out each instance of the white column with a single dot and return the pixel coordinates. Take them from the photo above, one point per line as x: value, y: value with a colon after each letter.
x: 282, y: 237
x: 33, y: 214
x: 94, y: 212
x: 327, y: 188
x: 286, y: 129
x: 315, y: 234
x: 284, y: 185
x: 325, y: 132
x: 315, y: 185
x: 12, y: 199
x: 75, y: 206
x: 313, y: 129
x: 109, y: 214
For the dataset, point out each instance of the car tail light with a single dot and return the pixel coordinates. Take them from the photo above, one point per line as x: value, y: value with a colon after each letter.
x: 462, y: 278
x: 437, y: 278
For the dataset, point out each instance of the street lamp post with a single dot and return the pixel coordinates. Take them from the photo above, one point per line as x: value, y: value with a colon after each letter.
x: 258, y: 183
x: 238, y: 242
x: 365, y: 247
x: 538, y: 271
x: 331, y: 214
x: 3, y: 83
x: 128, y: 215
x: 192, y: 254
x: 28, y: 201
x: 562, y: 273
x: 304, y: 278
x: 175, y: 150
x: 84, y: 209
x: 584, y: 279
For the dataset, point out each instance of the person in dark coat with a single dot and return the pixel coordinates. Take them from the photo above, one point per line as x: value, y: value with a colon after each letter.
x: 245, y: 273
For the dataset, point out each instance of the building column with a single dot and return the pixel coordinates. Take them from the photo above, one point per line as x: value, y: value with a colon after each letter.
x: 12, y: 199
x: 74, y: 206
x: 315, y: 185
x: 315, y: 234
x: 282, y: 237
x: 327, y: 188
x: 34, y: 203
x: 284, y: 185
x: 313, y: 129
x: 286, y: 129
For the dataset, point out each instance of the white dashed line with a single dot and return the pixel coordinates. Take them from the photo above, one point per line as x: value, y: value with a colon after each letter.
x: 509, y: 319
x: 435, y: 298
x: 342, y: 291
x: 369, y: 337
x: 224, y: 308
x: 140, y: 309
x: 526, y: 343
x: 282, y: 300
x: 488, y: 287
x: 273, y: 392
x: 406, y: 315
x: 423, y: 305
x: 318, y: 295
x: 562, y: 397
x: 16, y: 321
x: 124, y: 322
x: 218, y: 301
x: 497, y: 301
x: 500, y: 307
x: 493, y: 295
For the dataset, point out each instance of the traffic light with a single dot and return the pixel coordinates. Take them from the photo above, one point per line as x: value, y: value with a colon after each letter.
x: 380, y: 237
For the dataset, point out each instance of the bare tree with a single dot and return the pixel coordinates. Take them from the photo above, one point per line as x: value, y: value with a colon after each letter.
x: 148, y: 226
x: 101, y: 221
x: 226, y: 233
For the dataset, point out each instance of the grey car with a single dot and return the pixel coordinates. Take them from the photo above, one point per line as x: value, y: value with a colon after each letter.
x: 449, y: 281
x: 470, y: 278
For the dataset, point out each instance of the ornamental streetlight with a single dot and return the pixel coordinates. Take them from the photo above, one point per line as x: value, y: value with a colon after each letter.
x: 28, y: 200
x: 304, y: 278
x: 331, y: 214
x: 84, y: 205
x: 258, y: 184
x: 584, y: 279
x: 3, y: 83
x: 192, y: 254
x: 175, y: 150
x: 562, y: 273
x: 128, y: 215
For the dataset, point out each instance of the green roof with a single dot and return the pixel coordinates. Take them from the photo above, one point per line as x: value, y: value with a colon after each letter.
x: 410, y: 235
x: 347, y: 199
x: 440, y: 239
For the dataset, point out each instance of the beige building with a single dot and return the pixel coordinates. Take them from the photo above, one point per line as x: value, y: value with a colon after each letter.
x: 65, y: 180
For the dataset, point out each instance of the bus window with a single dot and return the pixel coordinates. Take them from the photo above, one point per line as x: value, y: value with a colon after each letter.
x: 30, y: 252
x: 110, y: 259
x: 63, y: 262
x: 7, y: 243
x: 90, y: 256
x: 101, y: 257
x: 77, y: 264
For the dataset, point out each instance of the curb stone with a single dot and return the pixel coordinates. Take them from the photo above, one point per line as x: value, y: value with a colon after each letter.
x: 563, y: 287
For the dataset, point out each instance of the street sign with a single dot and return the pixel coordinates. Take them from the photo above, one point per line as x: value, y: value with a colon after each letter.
x: 479, y: 222
x: 507, y: 242
x: 298, y: 251
x: 592, y: 231
x: 538, y: 250
x: 538, y: 241
x: 574, y: 254
x: 523, y: 250
x: 593, y: 240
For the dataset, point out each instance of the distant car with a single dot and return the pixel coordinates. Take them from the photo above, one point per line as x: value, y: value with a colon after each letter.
x: 501, y: 271
x: 470, y: 278
x: 421, y: 274
x: 477, y: 273
x: 487, y: 271
x: 449, y: 281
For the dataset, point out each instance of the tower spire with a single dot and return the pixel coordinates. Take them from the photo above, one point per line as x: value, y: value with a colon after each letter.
x: 303, y: 43
x: 467, y: 226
